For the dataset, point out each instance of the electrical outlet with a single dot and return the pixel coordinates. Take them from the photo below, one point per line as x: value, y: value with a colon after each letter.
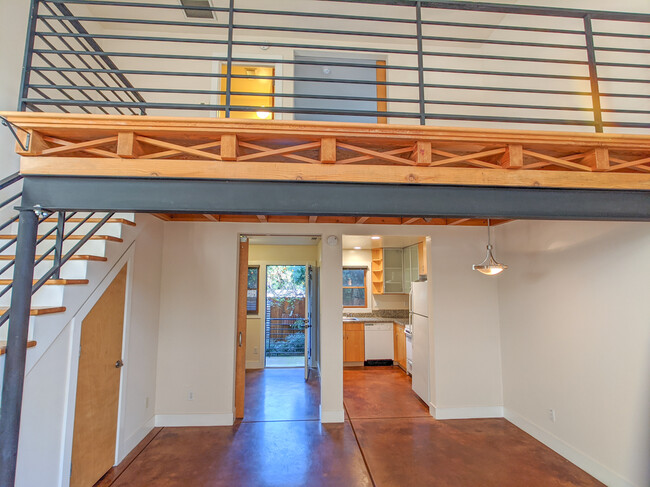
x: 190, y: 396
x: 551, y: 415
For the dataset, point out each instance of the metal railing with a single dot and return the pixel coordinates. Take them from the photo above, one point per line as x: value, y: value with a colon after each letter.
x: 285, y: 337
x: 58, y: 233
x: 394, y: 61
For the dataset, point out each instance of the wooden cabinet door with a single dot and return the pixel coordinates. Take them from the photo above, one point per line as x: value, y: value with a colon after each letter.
x: 400, y: 345
x: 354, y: 349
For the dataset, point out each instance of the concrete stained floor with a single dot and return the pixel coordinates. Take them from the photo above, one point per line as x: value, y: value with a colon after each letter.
x: 388, y: 439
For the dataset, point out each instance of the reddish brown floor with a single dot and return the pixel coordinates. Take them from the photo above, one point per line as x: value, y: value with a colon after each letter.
x: 387, y: 440
x: 281, y: 394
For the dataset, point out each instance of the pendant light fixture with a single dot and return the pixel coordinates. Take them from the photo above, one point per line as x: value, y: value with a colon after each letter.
x: 489, y: 267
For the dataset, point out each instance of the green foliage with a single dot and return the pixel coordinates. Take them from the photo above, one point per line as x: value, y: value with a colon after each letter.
x: 292, y: 345
x: 286, y: 283
x: 253, y: 276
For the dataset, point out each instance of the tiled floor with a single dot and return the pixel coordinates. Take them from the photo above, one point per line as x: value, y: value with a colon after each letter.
x: 387, y: 440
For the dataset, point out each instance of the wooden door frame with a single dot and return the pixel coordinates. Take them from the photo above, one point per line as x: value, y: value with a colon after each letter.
x: 241, y: 324
x: 219, y: 84
x: 121, y: 449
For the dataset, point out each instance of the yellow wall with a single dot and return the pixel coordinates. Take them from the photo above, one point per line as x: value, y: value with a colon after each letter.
x: 264, y: 255
x: 249, y: 85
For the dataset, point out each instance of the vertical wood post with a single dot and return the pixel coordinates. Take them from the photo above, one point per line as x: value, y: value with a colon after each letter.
x: 14, y: 373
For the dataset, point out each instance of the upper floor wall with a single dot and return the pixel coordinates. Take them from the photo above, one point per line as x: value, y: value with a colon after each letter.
x: 400, y: 62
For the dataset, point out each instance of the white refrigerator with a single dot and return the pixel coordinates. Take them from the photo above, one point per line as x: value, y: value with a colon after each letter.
x: 419, y: 319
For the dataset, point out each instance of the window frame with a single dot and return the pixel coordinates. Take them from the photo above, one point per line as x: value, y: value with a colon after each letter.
x: 364, y: 287
x: 256, y: 311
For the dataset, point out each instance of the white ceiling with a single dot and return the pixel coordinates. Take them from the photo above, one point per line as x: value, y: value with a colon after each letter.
x: 366, y: 242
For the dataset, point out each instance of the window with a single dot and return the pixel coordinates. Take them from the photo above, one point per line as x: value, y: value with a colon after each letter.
x: 354, y: 287
x: 252, y: 295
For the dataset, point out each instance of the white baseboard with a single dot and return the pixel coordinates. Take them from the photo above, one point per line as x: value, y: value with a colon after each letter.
x: 466, y: 413
x: 132, y: 441
x: 254, y: 365
x: 335, y: 416
x: 223, y: 419
x: 575, y: 456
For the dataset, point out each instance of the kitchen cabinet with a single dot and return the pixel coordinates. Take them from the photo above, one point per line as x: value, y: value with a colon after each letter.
x: 410, y: 269
x: 353, y: 342
x: 422, y: 259
x: 399, y: 343
x: 393, y: 269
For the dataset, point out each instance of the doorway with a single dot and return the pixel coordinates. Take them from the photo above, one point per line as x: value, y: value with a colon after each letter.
x: 286, y: 324
x: 279, y: 326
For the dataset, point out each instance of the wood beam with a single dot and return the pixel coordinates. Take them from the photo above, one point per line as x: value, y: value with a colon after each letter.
x: 409, y: 221
x: 362, y: 219
x: 313, y: 219
x: 513, y: 157
x: 127, y: 145
x: 229, y: 147
x: 37, y: 143
x: 328, y: 150
x: 211, y: 217
x: 288, y: 171
x: 597, y: 159
x: 458, y: 221
x: 422, y: 153
x: 262, y: 218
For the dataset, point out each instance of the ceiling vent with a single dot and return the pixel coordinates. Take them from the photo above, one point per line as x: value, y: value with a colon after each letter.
x: 194, y: 13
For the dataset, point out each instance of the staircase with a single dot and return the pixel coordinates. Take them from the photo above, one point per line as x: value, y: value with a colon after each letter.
x: 75, y: 252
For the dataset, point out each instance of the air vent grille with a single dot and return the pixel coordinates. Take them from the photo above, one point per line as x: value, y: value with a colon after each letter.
x: 194, y: 13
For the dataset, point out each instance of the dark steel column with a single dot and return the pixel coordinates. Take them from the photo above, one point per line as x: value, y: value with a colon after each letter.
x: 231, y: 26
x: 418, y: 18
x: 27, y: 60
x: 14, y: 373
x: 593, y: 74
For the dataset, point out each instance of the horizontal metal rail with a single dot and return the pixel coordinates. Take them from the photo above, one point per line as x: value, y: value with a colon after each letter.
x: 60, y: 258
x: 342, y: 61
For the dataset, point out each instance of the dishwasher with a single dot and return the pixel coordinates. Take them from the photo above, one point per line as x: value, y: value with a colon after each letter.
x: 379, y: 343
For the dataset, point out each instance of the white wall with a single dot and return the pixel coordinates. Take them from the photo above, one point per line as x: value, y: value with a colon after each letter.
x: 198, y: 315
x: 14, y: 15
x: 575, y: 335
x: 50, y: 386
x: 466, y: 371
x: 141, y: 345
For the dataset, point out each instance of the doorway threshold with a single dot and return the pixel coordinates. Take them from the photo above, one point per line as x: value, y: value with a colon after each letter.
x: 291, y: 361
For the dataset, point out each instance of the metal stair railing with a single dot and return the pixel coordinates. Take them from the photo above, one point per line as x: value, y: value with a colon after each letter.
x: 59, y: 230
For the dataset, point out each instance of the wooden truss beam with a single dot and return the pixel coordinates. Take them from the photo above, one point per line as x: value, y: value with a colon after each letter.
x: 98, y: 145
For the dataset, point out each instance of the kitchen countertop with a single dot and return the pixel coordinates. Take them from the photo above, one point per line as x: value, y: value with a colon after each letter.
x: 361, y: 319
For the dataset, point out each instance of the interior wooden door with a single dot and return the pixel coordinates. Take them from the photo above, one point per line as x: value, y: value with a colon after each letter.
x: 98, y: 386
x: 240, y: 346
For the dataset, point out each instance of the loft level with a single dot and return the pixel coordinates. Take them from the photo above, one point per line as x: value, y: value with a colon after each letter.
x: 271, y: 150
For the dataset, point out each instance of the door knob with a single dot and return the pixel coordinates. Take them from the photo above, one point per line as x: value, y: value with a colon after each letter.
x: 119, y: 364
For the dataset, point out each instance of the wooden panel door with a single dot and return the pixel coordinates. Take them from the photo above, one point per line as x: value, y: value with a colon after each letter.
x: 240, y: 345
x: 98, y: 386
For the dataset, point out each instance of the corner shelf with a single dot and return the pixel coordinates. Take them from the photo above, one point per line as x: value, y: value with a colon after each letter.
x: 377, y: 271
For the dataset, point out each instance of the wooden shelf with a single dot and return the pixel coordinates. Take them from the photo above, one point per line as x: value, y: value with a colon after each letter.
x: 377, y: 271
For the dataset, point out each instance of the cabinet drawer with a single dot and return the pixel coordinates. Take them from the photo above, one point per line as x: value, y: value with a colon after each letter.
x: 356, y: 326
